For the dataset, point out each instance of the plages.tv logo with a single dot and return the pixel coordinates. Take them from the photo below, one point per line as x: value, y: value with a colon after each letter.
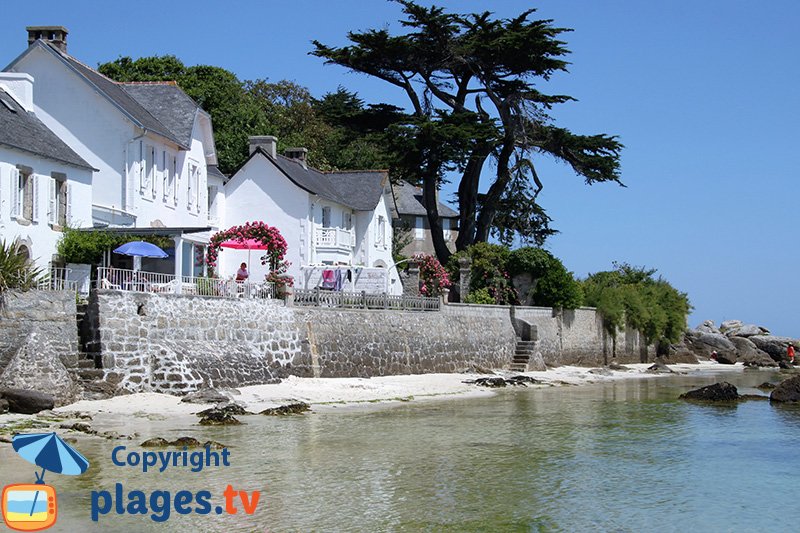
x: 34, y: 506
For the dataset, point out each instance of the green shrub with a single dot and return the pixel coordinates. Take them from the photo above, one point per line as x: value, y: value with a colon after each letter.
x: 554, y: 285
x: 488, y: 271
x: 88, y: 247
x: 481, y: 296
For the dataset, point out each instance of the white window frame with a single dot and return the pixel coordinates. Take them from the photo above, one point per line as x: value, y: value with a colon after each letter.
x: 419, y: 228
x: 17, y: 191
x: 380, y: 232
x: 175, y: 179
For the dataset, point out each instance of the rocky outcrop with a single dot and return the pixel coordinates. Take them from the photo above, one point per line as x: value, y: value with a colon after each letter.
x: 746, y: 330
x: 708, y: 327
x: 734, y: 342
x: 773, y: 345
x: 718, y: 392
x: 787, y: 390
x: 36, y: 367
x: 748, y: 353
x: 288, y: 409
x: 704, y: 343
x: 27, y: 402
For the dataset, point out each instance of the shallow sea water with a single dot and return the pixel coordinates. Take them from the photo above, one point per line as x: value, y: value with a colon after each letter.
x: 622, y: 456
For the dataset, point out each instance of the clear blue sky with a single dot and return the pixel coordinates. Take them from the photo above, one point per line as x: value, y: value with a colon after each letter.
x: 704, y: 95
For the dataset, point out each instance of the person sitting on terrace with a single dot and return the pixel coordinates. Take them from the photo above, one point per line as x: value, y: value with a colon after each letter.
x: 242, y: 274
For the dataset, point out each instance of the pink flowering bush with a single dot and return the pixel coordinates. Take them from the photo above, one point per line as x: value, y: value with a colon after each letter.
x: 268, y: 235
x: 432, y: 275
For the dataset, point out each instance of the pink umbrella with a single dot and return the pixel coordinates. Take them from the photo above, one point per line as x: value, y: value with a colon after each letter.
x: 244, y: 244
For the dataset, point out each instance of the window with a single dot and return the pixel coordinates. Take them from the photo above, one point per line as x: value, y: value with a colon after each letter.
x: 193, y: 186
x: 148, y: 171
x: 380, y: 232
x: 58, y: 200
x: 175, y: 178
x: 326, y: 217
x: 24, y: 203
x: 347, y: 220
x: 419, y: 228
x: 446, y: 228
x: 169, y: 164
x: 212, y: 204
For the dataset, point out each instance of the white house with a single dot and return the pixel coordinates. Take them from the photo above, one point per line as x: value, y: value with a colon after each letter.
x: 330, y: 220
x: 44, y: 184
x: 153, y: 146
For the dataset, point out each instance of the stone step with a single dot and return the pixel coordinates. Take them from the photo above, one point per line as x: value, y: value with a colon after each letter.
x: 520, y: 360
x: 86, y: 363
x: 518, y: 368
x: 523, y: 352
x: 90, y: 374
x: 526, y: 345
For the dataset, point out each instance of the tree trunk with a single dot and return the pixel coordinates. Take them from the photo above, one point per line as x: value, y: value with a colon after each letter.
x: 431, y: 200
x: 468, y: 197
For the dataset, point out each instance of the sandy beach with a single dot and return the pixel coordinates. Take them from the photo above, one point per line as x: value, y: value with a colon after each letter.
x: 331, y: 393
x: 119, y: 414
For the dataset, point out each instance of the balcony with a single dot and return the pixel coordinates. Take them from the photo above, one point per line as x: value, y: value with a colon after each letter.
x: 334, y: 239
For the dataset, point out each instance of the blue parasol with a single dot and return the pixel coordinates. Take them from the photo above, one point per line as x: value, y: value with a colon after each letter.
x: 141, y: 249
x: 50, y: 452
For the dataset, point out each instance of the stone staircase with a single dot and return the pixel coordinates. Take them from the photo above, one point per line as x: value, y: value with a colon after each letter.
x: 522, y: 355
x: 89, y: 371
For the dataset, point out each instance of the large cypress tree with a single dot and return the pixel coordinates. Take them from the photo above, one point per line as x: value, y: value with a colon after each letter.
x: 472, y: 83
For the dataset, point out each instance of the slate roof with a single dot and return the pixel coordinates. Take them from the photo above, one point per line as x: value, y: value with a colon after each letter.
x: 22, y: 130
x: 169, y: 104
x: 408, y: 201
x: 147, y: 113
x: 213, y: 170
x: 360, y: 190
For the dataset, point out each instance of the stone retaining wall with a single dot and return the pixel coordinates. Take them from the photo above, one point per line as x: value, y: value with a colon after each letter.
x: 51, y: 314
x: 178, y: 343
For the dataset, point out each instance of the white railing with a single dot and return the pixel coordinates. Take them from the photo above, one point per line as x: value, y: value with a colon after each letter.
x: 153, y: 282
x: 362, y: 300
x: 57, y: 279
x: 335, y: 238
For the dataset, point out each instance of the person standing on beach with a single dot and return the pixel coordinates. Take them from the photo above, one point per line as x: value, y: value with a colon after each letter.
x: 790, y: 353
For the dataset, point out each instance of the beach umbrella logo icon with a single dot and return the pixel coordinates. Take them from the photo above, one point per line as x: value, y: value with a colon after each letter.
x: 33, y: 506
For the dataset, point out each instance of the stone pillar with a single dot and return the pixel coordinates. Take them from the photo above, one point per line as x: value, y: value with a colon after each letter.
x: 288, y: 295
x: 412, y: 289
x: 464, y: 269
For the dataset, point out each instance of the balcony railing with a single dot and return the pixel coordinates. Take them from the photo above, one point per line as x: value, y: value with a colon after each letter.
x: 154, y: 282
x: 334, y: 238
x: 362, y: 300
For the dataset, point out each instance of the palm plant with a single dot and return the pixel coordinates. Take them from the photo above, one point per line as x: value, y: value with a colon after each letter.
x: 16, y: 270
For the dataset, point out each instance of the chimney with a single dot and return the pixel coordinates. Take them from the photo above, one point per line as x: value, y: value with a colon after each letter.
x: 55, y: 35
x: 299, y: 154
x: 268, y: 143
x: 20, y: 86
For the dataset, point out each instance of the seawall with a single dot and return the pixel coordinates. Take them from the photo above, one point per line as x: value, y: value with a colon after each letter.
x: 178, y: 343
x: 50, y: 314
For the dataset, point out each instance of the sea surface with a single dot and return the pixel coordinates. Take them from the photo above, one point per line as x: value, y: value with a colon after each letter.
x: 621, y: 456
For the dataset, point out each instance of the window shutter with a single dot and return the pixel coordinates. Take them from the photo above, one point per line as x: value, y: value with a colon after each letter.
x: 16, y: 197
x: 68, y: 214
x: 175, y: 180
x: 52, y: 208
x: 140, y: 165
x: 35, y: 197
x: 153, y: 173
